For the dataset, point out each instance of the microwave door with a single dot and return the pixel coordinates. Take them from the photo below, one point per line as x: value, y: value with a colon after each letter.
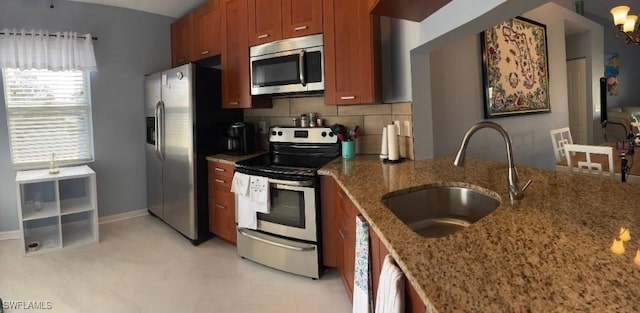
x: 276, y: 74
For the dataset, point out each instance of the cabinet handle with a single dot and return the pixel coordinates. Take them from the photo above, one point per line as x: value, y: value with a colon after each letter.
x: 263, y: 36
x: 180, y: 60
x: 220, y: 206
x: 347, y: 98
x: 220, y: 181
x: 204, y: 52
x: 300, y: 28
x: 342, y: 234
x: 234, y: 103
x: 219, y: 169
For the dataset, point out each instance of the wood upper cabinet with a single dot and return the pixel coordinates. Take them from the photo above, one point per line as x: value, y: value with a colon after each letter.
x: 265, y: 21
x: 236, y: 93
x: 222, y: 218
x: 301, y: 17
x: 182, y: 41
x: 352, y: 53
x: 206, y: 23
x: 271, y: 20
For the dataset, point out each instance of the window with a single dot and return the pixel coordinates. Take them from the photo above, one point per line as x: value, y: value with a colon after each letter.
x: 48, y: 112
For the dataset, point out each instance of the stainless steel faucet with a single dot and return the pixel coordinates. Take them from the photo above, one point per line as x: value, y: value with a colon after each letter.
x: 515, y: 193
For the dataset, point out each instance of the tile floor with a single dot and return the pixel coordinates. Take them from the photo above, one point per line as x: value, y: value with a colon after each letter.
x: 141, y: 265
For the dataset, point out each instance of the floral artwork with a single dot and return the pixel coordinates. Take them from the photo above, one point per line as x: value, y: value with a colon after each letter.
x: 611, y: 71
x: 515, y: 70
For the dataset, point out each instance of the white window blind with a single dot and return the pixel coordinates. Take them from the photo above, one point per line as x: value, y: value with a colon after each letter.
x: 48, y: 112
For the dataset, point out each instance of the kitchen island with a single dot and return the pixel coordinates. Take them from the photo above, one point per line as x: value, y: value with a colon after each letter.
x: 549, y: 253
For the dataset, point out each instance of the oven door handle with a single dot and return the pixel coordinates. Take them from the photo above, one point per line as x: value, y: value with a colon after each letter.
x: 295, y: 183
x: 277, y: 244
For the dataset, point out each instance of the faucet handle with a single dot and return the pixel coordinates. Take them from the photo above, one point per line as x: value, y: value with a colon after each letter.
x: 526, y: 185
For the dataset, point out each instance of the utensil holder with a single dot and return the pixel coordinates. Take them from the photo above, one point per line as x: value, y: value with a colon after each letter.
x: 348, y: 149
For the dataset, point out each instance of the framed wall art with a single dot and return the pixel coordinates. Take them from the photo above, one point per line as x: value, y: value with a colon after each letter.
x: 515, y: 68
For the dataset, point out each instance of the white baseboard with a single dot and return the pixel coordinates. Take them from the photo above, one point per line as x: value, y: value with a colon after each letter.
x: 122, y: 216
x: 14, y: 234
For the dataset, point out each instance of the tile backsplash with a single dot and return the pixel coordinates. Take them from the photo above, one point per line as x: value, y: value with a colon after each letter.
x: 370, y: 117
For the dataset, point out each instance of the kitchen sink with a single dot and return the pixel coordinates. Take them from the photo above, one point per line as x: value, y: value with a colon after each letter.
x: 438, y: 211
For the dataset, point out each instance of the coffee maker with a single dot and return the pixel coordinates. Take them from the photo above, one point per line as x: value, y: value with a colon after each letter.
x: 240, y: 139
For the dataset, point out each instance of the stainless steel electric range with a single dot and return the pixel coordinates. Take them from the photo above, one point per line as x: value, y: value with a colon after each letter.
x: 288, y: 238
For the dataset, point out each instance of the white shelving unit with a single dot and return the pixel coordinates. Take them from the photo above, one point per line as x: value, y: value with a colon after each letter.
x: 57, y: 210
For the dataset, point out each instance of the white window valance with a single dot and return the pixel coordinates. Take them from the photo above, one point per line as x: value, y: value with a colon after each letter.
x: 39, y: 49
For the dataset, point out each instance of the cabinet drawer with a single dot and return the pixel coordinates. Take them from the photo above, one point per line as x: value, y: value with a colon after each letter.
x: 223, y: 200
x: 221, y: 169
x: 220, y: 183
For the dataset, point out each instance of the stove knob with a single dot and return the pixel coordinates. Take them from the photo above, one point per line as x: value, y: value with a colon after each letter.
x: 324, y: 134
x: 330, y: 134
x: 279, y: 133
x: 273, y: 133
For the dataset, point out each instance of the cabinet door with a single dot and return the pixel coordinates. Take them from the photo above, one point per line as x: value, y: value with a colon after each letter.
x: 348, y: 235
x: 181, y: 41
x: 351, y: 47
x: 265, y: 21
x: 329, y: 202
x: 225, y: 222
x: 235, y: 56
x: 206, y: 21
x: 236, y: 93
x: 413, y: 303
x: 301, y: 17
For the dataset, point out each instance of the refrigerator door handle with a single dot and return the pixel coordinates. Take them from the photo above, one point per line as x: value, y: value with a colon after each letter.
x: 160, y: 130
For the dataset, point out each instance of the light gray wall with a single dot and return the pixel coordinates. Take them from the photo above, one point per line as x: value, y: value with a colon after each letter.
x: 629, y: 64
x: 130, y: 44
x: 456, y: 98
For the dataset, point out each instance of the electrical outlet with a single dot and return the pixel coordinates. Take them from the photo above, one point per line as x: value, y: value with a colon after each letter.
x: 408, y: 129
x: 262, y: 127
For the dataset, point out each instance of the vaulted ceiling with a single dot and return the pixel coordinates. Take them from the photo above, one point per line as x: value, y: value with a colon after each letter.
x: 178, y: 8
x: 173, y: 8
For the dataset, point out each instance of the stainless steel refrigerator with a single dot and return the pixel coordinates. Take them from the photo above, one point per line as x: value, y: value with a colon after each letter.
x: 184, y: 124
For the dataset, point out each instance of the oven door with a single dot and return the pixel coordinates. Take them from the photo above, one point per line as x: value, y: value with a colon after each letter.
x: 290, y: 71
x: 293, y: 210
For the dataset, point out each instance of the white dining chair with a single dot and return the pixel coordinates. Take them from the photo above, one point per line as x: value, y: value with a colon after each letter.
x: 590, y: 166
x: 559, y: 138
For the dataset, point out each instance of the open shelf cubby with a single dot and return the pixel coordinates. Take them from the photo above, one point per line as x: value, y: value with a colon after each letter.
x: 57, y: 210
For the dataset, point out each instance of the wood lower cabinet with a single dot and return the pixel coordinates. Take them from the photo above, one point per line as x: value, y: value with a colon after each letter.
x: 329, y: 203
x: 206, y: 24
x: 236, y: 93
x: 352, y: 53
x: 347, y: 232
x: 182, y: 40
x: 301, y: 18
x: 222, y: 217
x: 338, y: 248
x: 412, y: 301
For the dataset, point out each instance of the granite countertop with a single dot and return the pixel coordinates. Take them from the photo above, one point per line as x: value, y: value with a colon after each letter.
x: 232, y: 159
x: 549, y: 253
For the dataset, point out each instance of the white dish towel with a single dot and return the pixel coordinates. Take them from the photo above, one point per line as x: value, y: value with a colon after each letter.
x: 362, y: 290
x: 390, y: 297
x: 245, y: 213
x: 259, y: 194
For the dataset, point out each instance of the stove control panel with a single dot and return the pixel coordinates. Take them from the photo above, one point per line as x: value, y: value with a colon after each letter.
x: 302, y: 135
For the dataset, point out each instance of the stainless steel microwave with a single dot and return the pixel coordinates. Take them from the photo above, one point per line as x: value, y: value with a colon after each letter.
x: 287, y: 66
